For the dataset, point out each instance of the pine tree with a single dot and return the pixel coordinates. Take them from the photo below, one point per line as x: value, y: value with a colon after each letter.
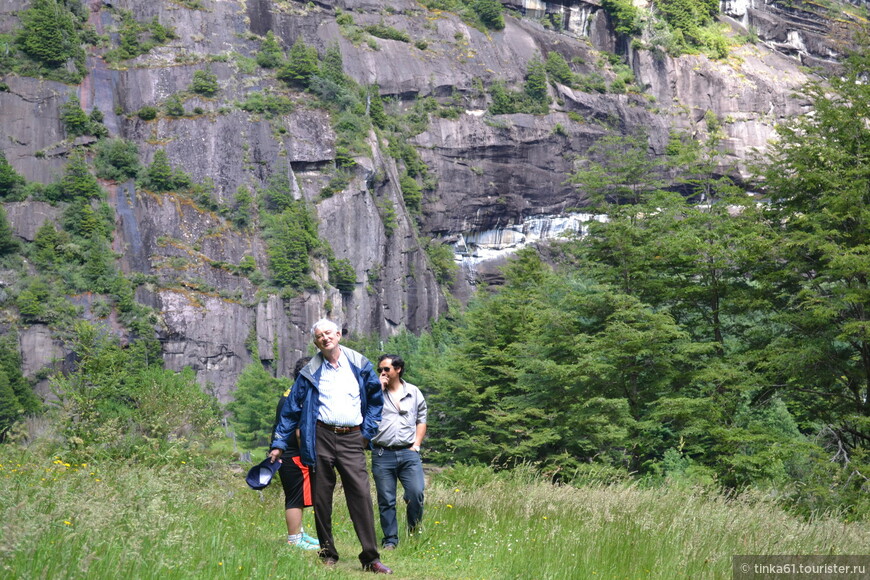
x: 818, y: 180
x: 49, y: 33
x: 254, y: 404
x: 300, y: 67
x: 8, y: 244
x: 75, y: 120
x: 11, y: 183
x: 270, y: 53
x: 9, y: 407
x: 159, y: 176
x: 536, y: 83
x: 78, y: 183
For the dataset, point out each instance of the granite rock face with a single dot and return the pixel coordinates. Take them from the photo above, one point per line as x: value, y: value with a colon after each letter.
x: 489, y: 170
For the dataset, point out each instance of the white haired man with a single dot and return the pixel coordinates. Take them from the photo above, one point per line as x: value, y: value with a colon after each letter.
x: 336, y: 404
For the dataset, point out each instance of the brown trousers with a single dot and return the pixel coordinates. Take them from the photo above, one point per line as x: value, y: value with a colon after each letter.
x: 343, y: 452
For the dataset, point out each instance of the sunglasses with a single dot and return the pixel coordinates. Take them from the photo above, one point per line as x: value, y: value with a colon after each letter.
x: 384, y: 369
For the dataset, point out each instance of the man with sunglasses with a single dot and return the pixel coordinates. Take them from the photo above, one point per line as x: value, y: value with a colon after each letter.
x: 336, y: 404
x: 396, y: 449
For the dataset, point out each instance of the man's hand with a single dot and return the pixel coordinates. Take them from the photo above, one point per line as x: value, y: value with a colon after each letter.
x: 274, y: 455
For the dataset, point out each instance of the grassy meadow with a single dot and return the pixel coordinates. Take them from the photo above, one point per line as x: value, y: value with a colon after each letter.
x: 179, y: 520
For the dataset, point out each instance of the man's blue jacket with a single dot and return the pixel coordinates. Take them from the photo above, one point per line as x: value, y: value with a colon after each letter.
x: 303, y: 405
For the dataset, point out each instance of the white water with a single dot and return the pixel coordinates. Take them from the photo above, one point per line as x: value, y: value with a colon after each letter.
x: 476, y: 247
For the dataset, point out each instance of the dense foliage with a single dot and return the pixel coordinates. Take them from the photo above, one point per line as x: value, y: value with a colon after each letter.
x: 700, y: 337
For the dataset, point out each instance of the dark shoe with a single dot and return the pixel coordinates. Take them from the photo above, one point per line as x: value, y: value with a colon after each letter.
x: 377, y: 567
x: 389, y: 547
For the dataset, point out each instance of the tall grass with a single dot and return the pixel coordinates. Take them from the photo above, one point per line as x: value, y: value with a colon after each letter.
x: 127, y: 521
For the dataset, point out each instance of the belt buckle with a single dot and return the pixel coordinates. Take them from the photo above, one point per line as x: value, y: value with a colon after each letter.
x: 342, y: 430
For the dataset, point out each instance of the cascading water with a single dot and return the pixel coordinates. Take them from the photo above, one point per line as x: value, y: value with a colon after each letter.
x: 475, y: 247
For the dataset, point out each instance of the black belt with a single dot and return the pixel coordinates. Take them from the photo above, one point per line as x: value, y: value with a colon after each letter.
x: 392, y: 447
x: 339, y: 428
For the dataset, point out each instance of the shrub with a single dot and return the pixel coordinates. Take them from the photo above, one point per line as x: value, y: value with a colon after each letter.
x: 381, y: 30
x: 174, y: 106
x: 490, y: 13
x: 342, y: 275
x: 558, y: 69
x: 625, y: 16
x: 265, y: 103
x: 117, y: 159
x: 204, y: 83
x: 75, y: 121
x: 147, y: 113
x: 411, y: 193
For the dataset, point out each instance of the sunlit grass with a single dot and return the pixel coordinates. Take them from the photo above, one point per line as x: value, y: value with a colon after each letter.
x: 128, y: 521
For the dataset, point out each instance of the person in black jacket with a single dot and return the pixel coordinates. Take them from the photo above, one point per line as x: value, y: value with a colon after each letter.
x: 296, y: 480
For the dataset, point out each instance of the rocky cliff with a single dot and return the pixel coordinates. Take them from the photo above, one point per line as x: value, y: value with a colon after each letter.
x: 491, y: 172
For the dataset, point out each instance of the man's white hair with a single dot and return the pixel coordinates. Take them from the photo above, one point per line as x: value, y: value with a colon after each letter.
x: 325, y: 324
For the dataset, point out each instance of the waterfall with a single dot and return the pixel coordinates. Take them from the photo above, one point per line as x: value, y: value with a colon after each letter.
x: 294, y: 185
x: 481, y: 246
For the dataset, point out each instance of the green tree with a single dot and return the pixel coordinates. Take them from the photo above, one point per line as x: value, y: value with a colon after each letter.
x: 9, y: 408
x: 300, y: 67
x: 558, y: 69
x: 117, y: 159
x: 342, y: 275
x: 161, y: 177
x: 75, y: 120
x: 411, y: 193
x: 205, y: 83
x: 490, y: 13
x: 242, y: 207
x: 11, y: 183
x: 625, y: 16
x: 254, y: 404
x: 376, y: 110
x: 174, y: 106
x: 49, y: 33
x: 115, y: 405
x: 8, y: 244
x: 10, y: 366
x: 535, y: 86
x: 290, y: 237
x: 817, y: 176
x: 78, y: 183
x: 332, y: 67
x: 270, y: 54
x: 503, y: 102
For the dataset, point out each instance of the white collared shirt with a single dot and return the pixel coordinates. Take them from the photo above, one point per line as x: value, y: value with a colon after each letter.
x: 339, y: 394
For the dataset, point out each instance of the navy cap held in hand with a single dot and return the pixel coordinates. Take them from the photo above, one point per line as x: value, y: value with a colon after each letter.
x: 261, y: 474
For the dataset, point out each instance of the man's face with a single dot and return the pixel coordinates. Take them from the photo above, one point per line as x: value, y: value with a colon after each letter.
x: 326, y: 339
x: 386, y: 371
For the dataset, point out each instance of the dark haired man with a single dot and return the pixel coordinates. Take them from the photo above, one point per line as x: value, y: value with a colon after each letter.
x: 396, y: 449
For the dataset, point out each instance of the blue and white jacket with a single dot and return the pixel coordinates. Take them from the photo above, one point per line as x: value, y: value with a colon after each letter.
x: 301, y: 408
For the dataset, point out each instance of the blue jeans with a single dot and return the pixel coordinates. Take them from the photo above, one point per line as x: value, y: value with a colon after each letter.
x: 388, y: 467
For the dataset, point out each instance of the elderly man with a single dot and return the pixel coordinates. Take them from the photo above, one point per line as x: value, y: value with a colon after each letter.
x: 336, y: 404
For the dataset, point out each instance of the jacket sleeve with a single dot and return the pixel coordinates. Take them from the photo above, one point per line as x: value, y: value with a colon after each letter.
x: 288, y: 416
x: 374, y: 401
